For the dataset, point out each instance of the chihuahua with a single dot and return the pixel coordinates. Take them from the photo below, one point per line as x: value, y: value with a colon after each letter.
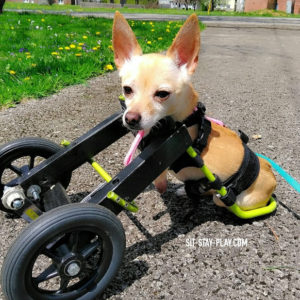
x: 157, y: 85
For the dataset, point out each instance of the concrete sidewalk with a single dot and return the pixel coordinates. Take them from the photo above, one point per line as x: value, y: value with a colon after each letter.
x: 209, y: 21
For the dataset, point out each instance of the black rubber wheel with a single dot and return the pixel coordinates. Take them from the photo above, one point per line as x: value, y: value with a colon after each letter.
x: 70, y: 252
x: 19, y: 156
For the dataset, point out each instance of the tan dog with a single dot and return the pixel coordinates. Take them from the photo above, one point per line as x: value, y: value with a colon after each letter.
x: 156, y: 86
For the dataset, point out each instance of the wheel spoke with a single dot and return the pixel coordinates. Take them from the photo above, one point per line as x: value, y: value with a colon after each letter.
x: 31, y: 162
x: 51, y: 255
x: 47, y: 274
x: 90, y: 249
x: 15, y: 169
x: 74, y: 238
x: 64, y: 281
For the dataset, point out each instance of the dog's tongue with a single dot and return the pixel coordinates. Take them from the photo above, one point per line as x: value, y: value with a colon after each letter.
x: 133, y: 147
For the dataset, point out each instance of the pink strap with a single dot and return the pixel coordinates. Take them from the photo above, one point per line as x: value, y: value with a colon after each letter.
x: 133, y: 147
x: 215, y: 121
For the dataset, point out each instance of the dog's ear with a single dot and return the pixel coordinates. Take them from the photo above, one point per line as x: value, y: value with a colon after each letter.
x: 124, y: 41
x: 185, y: 48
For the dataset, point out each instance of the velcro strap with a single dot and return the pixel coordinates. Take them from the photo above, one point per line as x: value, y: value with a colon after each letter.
x: 246, y: 174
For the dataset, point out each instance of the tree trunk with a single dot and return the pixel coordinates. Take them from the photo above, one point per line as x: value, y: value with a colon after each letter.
x: 1, y: 6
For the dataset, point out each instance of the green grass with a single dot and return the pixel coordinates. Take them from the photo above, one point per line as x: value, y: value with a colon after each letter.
x: 75, y: 8
x: 34, y: 61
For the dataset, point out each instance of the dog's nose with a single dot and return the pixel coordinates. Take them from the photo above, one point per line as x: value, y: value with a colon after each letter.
x: 132, y: 118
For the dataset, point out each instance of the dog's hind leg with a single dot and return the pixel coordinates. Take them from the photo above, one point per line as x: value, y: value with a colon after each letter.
x: 259, y: 193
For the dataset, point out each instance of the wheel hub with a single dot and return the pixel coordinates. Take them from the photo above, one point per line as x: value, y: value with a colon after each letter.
x: 73, y: 268
x: 71, y: 264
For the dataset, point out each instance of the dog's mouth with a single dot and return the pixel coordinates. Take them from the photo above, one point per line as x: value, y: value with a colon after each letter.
x: 133, y: 127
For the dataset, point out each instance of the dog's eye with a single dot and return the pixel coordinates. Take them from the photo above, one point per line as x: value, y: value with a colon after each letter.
x: 127, y: 90
x: 162, y: 94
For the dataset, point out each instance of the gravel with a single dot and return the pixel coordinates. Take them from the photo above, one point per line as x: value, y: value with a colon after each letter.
x: 249, y: 78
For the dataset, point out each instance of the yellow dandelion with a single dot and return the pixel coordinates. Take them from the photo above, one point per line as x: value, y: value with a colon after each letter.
x: 149, y: 42
x: 12, y: 72
x: 81, y: 44
x: 95, y: 48
x: 84, y: 37
x: 33, y: 65
x: 108, y: 67
x: 54, y: 53
x: 67, y: 48
x: 144, y: 23
x: 27, y: 53
x: 78, y: 54
x: 152, y: 30
x: 43, y: 20
x: 167, y: 30
x: 60, y: 48
x: 97, y: 33
x: 72, y: 46
x: 110, y: 47
x: 150, y: 23
x: 28, y: 56
x: 26, y: 78
x: 79, y: 48
x: 160, y: 38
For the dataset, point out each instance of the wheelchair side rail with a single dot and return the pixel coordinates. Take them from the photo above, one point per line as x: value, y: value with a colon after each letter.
x: 73, y: 156
x: 146, y: 167
x: 131, y: 181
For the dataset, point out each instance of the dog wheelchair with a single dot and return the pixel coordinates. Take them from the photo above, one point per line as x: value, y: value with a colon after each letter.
x: 73, y: 250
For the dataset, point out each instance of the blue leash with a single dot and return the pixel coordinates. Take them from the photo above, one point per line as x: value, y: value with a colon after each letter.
x: 287, y: 177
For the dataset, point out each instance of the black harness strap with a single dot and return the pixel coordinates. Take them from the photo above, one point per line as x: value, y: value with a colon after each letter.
x: 246, y: 174
x: 204, y: 129
x: 235, y: 184
x: 199, y: 144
